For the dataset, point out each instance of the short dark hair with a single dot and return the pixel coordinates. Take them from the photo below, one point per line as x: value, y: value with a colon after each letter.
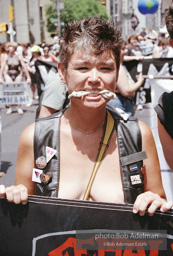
x: 134, y: 36
x: 92, y: 34
x: 169, y: 20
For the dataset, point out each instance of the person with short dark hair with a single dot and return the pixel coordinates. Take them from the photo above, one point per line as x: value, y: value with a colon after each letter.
x: 64, y: 149
x: 133, y: 51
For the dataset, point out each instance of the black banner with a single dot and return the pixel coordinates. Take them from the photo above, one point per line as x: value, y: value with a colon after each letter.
x: 56, y: 227
x: 151, y: 68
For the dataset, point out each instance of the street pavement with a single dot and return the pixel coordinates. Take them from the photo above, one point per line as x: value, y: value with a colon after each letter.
x: 12, y: 127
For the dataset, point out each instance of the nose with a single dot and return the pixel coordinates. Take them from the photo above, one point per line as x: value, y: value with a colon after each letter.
x: 94, y: 76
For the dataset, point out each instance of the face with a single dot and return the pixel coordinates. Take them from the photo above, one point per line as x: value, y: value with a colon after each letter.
x: 35, y: 54
x: 46, y: 50
x: 133, y: 41
x: 88, y: 72
x: 11, y: 49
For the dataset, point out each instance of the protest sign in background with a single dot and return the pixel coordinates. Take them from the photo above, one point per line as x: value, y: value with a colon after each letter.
x: 159, y: 79
x: 56, y: 227
x: 14, y: 93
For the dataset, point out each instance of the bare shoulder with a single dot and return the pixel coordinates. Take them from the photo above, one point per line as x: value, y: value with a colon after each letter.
x: 147, y: 135
x: 145, y: 129
x: 27, y: 135
x: 25, y: 159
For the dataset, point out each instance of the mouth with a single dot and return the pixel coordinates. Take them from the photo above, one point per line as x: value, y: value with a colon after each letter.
x: 105, y: 93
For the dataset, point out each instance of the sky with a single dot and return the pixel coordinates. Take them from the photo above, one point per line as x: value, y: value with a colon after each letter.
x: 140, y: 16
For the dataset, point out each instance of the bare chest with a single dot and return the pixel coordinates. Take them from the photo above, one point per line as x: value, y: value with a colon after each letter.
x: 77, y: 159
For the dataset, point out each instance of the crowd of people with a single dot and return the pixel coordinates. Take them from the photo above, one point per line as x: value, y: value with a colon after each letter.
x: 90, y: 66
x: 17, y: 63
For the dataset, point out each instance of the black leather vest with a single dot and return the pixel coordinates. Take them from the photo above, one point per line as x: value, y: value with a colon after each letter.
x: 47, y: 133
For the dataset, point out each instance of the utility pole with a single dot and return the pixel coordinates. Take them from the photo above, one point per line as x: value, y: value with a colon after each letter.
x: 11, y: 18
x: 58, y: 17
x: 114, y: 18
x: 114, y: 14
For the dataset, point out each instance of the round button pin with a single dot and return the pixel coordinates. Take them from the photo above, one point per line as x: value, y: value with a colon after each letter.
x: 41, y: 162
x: 46, y: 178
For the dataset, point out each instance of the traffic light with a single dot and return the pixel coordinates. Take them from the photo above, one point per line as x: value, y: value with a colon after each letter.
x: 11, y: 13
x: 103, y: 2
x: 3, y: 27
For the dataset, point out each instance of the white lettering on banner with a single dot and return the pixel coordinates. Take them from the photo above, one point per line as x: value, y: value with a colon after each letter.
x: 15, y: 93
x: 15, y: 100
x: 141, y: 97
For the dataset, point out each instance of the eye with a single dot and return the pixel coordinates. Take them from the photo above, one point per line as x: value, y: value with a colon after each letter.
x: 106, y: 69
x: 82, y: 68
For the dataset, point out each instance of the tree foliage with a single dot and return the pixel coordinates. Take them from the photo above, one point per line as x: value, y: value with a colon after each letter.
x: 74, y: 10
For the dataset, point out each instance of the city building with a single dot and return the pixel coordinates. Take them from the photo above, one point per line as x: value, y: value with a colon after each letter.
x: 29, y: 23
x: 26, y: 22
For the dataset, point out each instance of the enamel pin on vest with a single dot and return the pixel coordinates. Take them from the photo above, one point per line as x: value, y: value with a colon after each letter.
x: 41, y: 163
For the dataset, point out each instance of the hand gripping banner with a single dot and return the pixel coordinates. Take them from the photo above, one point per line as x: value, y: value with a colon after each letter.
x: 56, y: 227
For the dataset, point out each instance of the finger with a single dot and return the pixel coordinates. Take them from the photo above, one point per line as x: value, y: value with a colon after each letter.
x: 154, y: 206
x: 16, y: 196
x: 139, y: 205
x: 20, y: 194
x: 9, y: 194
x: 166, y: 206
x: 143, y: 201
x: 24, y: 194
x: 2, y: 191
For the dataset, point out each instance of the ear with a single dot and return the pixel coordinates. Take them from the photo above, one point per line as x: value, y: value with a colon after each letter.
x: 62, y: 72
x: 171, y: 42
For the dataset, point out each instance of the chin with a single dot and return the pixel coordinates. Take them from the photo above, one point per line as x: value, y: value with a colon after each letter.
x: 95, y: 105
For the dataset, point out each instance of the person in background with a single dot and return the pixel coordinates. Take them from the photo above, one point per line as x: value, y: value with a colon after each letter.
x: 35, y: 50
x: 89, y: 65
x: 14, y: 63
x: 163, y: 50
x: 56, y: 46
x: 55, y: 97
x: 47, y: 56
x: 4, y: 53
x: 125, y: 89
x: 164, y: 109
x: 26, y: 56
x: 143, y: 33
x: 133, y: 51
x: 26, y: 53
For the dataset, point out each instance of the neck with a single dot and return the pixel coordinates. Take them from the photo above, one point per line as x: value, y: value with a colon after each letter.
x: 87, y: 123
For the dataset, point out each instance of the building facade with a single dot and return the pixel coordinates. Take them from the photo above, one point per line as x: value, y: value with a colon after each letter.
x: 26, y: 23
x: 29, y: 21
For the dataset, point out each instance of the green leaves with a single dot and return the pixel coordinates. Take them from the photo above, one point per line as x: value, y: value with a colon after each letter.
x: 75, y: 10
